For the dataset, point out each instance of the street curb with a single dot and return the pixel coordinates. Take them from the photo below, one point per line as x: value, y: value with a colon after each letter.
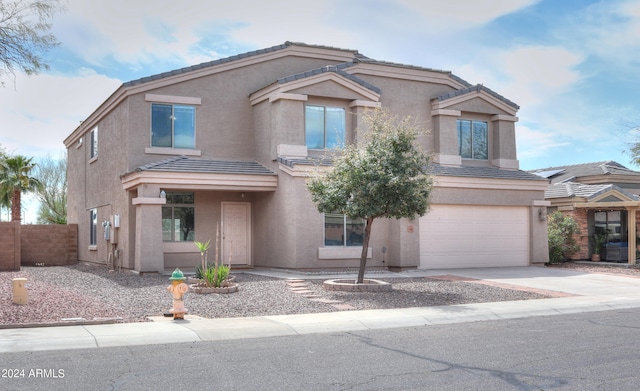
x: 83, y: 322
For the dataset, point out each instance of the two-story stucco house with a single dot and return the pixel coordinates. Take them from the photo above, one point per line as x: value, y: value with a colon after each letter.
x: 168, y: 158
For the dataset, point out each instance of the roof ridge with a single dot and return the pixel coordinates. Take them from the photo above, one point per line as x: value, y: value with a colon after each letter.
x: 235, y: 57
x: 578, y: 164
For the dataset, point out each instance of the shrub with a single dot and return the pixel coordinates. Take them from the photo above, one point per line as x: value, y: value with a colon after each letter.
x: 561, y: 230
x: 216, y: 276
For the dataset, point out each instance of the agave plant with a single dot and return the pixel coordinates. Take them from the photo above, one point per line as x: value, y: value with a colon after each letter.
x: 203, y: 247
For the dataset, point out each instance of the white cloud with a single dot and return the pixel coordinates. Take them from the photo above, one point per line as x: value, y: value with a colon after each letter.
x: 463, y: 14
x: 43, y: 110
x: 609, y: 30
x: 534, y: 143
x: 528, y: 75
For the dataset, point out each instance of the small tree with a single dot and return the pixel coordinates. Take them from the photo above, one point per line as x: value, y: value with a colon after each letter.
x: 382, y: 175
x: 562, y: 243
x: 25, y: 34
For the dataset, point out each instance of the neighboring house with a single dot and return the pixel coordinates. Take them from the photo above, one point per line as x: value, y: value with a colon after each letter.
x: 168, y: 158
x: 601, y: 196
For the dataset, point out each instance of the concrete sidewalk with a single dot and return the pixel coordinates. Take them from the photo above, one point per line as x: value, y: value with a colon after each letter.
x: 584, y: 292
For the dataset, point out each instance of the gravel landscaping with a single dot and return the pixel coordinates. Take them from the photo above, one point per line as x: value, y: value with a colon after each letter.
x: 92, y: 292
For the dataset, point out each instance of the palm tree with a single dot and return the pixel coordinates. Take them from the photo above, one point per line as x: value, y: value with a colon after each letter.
x: 15, y: 179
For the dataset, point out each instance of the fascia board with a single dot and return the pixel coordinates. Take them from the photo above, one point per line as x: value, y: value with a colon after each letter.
x: 201, y: 181
x: 489, y: 183
x: 605, y: 205
x: 106, y: 107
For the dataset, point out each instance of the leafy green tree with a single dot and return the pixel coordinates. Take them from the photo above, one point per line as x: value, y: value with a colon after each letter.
x: 382, y: 175
x: 25, y: 34
x: 562, y: 243
x: 52, y: 175
x: 15, y: 179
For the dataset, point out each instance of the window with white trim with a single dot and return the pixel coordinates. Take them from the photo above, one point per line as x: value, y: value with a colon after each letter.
x: 341, y: 230
x: 173, y: 126
x: 324, y: 127
x: 178, y: 218
x: 473, y: 139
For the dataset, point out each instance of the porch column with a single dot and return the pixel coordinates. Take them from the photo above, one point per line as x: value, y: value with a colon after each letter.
x: 149, y: 254
x: 631, y: 224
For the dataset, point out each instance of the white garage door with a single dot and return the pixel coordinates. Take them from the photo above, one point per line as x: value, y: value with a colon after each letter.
x: 474, y: 236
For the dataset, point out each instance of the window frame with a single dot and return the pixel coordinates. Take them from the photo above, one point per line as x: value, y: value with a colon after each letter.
x: 354, y: 221
x: 326, y: 143
x: 172, y: 118
x: 472, y: 146
x: 93, y: 144
x: 173, y: 206
x: 93, y: 227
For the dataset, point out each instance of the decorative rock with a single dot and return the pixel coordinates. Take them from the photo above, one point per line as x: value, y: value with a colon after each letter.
x: 351, y: 286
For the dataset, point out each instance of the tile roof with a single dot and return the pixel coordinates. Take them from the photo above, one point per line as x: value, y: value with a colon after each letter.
x: 208, y: 64
x: 357, y: 57
x: 330, y: 68
x: 186, y: 164
x: 407, y: 66
x: 576, y: 171
x: 477, y: 88
x: 308, y: 161
x: 481, y: 172
x: 572, y: 189
x: 435, y: 169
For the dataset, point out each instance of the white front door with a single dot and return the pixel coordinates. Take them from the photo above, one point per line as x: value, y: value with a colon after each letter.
x: 236, y: 233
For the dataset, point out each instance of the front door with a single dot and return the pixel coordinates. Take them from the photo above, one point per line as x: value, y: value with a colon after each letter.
x: 236, y: 233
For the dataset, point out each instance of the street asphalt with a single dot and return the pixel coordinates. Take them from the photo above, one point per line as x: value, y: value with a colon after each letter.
x: 573, y: 292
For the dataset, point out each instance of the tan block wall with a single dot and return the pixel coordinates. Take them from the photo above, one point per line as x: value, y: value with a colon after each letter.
x: 9, y: 246
x: 49, y: 245
x: 41, y: 245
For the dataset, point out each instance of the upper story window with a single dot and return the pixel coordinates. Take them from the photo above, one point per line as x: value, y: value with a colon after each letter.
x: 324, y: 127
x: 341, y: 230
x: 94, y: 143
x: 178, y: 218
x: 473, y: 139
x: 173, y: 126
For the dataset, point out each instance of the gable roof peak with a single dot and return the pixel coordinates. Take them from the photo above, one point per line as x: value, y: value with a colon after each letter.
x: 476, y: 88
x: 338, y: 69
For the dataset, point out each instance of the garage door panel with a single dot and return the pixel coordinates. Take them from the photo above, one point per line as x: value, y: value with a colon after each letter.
x: 474, y: 236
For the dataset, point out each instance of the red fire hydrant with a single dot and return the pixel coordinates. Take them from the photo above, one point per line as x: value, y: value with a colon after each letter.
x: 178, y: 288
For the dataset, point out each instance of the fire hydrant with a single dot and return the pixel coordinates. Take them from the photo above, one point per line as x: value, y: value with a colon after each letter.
x: 178, y: 288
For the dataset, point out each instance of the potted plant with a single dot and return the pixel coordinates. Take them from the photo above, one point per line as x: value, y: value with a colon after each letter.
x: 598, y: 239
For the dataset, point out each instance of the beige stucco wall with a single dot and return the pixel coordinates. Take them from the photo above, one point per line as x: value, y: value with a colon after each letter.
x: 95, y: 183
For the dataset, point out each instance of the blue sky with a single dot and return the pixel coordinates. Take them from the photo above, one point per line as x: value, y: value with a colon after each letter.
x: 572, y: 66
